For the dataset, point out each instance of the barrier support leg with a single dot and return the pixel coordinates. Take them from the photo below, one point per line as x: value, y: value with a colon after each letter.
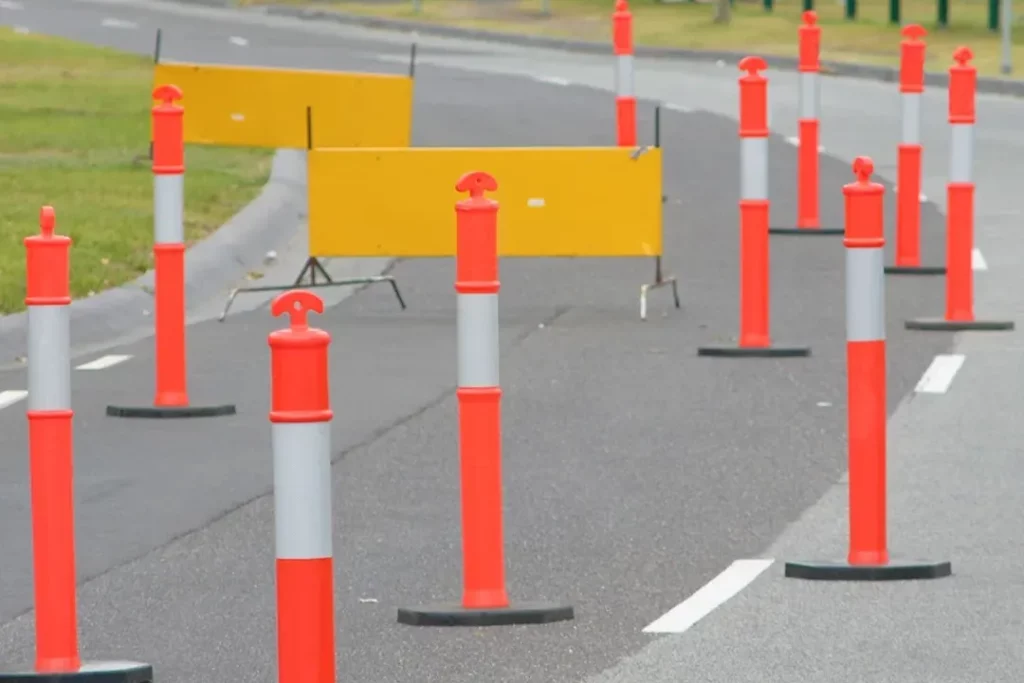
x: 311, y: 268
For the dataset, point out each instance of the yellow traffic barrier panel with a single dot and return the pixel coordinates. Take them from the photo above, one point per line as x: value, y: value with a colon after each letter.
x: 268, y: 107
x: 555, y: 201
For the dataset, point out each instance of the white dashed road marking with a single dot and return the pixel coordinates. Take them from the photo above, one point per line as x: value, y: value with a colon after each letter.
x: 978, y: 261
x: 238, y: 40
x: 11, y: 396
x: 939, y: 375
x: 103, y: 362
x: 118, y: 23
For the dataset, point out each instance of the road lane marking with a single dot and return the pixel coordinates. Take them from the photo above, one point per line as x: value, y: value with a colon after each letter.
x: 679, y: 108
x: 712, y: 594
x: 939, y: 375
x: 553, y: 80
x: 110, y: 22
x: 978, y: 261
x: 11, y: 396
x: 103, y: 362
x: 238, y: 40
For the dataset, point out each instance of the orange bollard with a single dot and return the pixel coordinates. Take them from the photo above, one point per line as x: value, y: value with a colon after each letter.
x: 755, y: 281
x: 171, y: 395
x: 908, y: 162
x: 868, y: 558
x: 625, y: 98
x: 484, y: 598
x: 807, y: 192
x: 960, y: 208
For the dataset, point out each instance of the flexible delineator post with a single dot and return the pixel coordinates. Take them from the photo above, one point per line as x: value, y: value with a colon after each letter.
x: 48, y: 297
x: 908, y: 174
x: 51, y: 470
x: 754, y: 338
x: 868, y: 555
x: 171, y: 393
x: 963, y: 78
x: 625, y: 98
x: 300, y: 418
x: 808, y: 193
x: 485, y: 600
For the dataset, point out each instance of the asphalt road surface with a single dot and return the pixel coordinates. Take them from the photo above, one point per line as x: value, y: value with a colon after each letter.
x: 635, y: 471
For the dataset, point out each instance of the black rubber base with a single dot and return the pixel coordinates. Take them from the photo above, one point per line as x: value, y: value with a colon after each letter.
x: 754, y: 351
x: 456, y: 615
x: 941, y: 325
x: 170, y: 412
x: 90, y: 672
x: 896, y: 570
x: 806, y: 231
x: 915, y: 270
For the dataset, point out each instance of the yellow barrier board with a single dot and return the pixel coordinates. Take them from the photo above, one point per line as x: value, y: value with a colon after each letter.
x: 266, y: 107
x: 554, y: 201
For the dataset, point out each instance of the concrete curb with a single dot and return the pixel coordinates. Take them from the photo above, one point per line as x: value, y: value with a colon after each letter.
x: 211, y: 266
x: 989, y: 85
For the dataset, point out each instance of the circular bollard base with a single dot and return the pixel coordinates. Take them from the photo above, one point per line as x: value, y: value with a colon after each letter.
x: 806, y: 231
x: 754, y: 351
x: 915, y: 270
x: 170, y: 412
x: 457, y: 615
x: 896, y: 570
x: 942, y: 325
x: 90, y: 672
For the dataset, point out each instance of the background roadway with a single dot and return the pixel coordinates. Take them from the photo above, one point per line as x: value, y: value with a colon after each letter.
x: 634, y: 471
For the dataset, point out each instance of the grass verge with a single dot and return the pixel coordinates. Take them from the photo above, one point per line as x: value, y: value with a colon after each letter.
x: 75, y: 134
x: 688, y: 24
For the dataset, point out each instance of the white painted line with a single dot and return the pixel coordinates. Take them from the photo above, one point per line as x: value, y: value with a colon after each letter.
x: 238, y: 40
x: 103, y: 362
x: 727, y: 584
x: 553, y: 80
x: 8, y: 4
x: 939, y: 375
x: 11, y: 396
x: 118, y: 23
x: 978, y: 261
x: 679, y: 108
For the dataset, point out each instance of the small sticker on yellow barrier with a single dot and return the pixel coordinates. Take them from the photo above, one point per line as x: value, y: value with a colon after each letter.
x: 535, y: 202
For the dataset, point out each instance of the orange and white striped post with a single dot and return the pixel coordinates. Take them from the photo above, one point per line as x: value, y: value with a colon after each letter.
x: 485, y: 601
x: 755, y: 279
x: 171, y: 396
x: 868, y: 558
x: 300, y: 419
x: 908, y: 161
x: 808, y: 194
x: 625, y: 96
x: 963, y: 79
x: 51, y: 468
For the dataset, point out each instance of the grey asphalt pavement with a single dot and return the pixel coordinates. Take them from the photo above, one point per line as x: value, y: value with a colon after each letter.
x: 634, y: 471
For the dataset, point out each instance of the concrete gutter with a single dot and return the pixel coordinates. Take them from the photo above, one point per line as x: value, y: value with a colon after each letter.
x: 211, y: 266
x: 998, y: 86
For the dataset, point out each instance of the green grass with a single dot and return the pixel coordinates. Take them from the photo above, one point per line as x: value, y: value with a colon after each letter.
x: 74, y: 133
x: 869, y: 39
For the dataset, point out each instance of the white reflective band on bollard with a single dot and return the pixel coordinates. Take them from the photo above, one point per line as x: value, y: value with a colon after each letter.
x: 809, y: 95
x: 49, y: 362
x: 302, y: 489
x: 865, y: 294
x: 477, y: 323
x: 168, y: 208
x: 624, y: 76
x: 754, y: 168
x: 961, y: 153
x: 911, y: 118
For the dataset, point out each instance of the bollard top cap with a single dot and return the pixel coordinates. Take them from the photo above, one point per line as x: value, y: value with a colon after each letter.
x: 621, y: 6
x: 752, y: 65
x: 476, y: 183
x: 297, y: 303
x: 810, y: 17
x: 167, y: 93
x: 962, y: 55
x: 863, y: 167
x: 914, y: 31
x: 47, y: 221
